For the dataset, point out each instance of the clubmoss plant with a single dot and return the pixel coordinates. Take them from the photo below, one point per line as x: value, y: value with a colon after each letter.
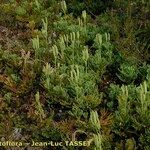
x: 95, y: 125
x: 25, y: 56
x: 75, y: 77
x: 55, y: 53
x: 144, y: 96
x: 36, y: 46
x: 85, y: 57
x: 72, y: 39
x: 76, y: 112
x: 73, y: 63
x: 148, y: 77
x: 97, y: 138
x: 37, y: 4
x: 94, y: 121
x: 47, y: 70
x: 64, y: 7
x: 84, y: 17
x: 107, y: 36
x: 45, y: 29
x: 39, y: 108
x: 98, y: 40
x: 66, y: 39
x: 128, y: 73
x: 63, y: 41
x: 123, y: 107
x: 80, y: 22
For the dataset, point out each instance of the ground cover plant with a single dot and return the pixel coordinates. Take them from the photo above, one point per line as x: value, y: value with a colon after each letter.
x: 75, y: 71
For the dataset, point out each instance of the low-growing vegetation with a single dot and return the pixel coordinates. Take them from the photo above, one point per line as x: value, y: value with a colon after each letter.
x: 75, y: 71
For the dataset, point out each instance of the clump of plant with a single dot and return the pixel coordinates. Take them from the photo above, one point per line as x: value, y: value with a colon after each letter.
x: 127, y: 73
x: 75, y: 78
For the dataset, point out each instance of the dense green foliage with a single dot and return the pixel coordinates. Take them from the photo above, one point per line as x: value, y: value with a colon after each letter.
x: 75, y: 70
